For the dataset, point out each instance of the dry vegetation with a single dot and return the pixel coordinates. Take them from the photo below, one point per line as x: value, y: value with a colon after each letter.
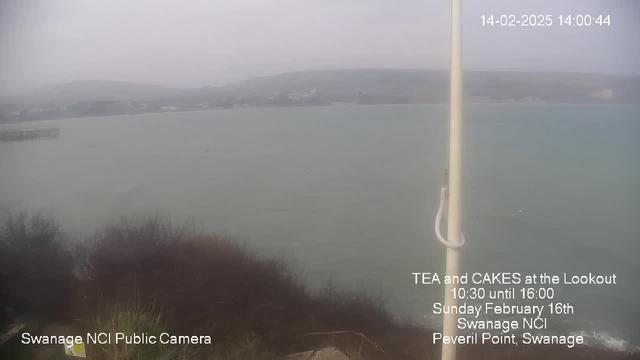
x: 153, y: 277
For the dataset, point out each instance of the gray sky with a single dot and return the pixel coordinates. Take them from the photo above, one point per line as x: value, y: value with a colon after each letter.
x: 213, y: 42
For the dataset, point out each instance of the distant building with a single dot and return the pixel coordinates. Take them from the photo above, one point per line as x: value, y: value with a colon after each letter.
x: 168, y: 108
x: 138, y: 106
x: 603, y: 94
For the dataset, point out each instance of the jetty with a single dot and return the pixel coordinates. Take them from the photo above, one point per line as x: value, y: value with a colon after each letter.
x: 31, y: 134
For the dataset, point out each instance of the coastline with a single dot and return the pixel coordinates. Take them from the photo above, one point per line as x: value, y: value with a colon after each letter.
x: 315, y: 106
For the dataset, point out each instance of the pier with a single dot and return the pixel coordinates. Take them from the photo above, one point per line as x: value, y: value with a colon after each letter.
x: 15, y: 135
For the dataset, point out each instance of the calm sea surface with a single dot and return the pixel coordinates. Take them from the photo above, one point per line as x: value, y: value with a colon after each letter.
x: 350, y: 193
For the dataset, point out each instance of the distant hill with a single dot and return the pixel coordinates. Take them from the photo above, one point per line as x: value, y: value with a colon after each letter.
x: 433, y: 85
x: 81, y: 91
x: 366, y: 86
x: 344, y: 82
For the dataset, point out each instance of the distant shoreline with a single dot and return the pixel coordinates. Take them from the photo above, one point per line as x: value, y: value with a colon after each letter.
x: 92, y: 98
x: 309, y: 106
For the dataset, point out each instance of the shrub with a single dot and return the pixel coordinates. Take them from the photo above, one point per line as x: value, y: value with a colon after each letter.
x: 211, y: 285
x: 36, y: 267
x: 206, y: 285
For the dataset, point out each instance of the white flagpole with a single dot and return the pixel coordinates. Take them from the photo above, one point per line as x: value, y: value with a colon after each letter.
x: 454, y: 233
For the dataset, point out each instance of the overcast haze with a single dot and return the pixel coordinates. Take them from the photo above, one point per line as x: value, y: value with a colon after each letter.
x: 204, y: 42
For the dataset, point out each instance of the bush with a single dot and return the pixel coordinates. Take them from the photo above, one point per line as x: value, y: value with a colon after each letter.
x: 206, y: 285
x: 36, y: 267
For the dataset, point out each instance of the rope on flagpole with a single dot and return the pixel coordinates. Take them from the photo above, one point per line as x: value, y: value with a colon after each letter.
x: 444, y: 192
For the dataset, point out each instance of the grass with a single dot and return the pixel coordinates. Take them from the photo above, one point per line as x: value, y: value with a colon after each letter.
x: 246, y: 347
x: 130, y: 319
x: 152, y: 276
x: 58, y: 354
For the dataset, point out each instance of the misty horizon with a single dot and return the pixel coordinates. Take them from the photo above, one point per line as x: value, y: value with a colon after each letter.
x: 97, y: 80
x: 199, y: 44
